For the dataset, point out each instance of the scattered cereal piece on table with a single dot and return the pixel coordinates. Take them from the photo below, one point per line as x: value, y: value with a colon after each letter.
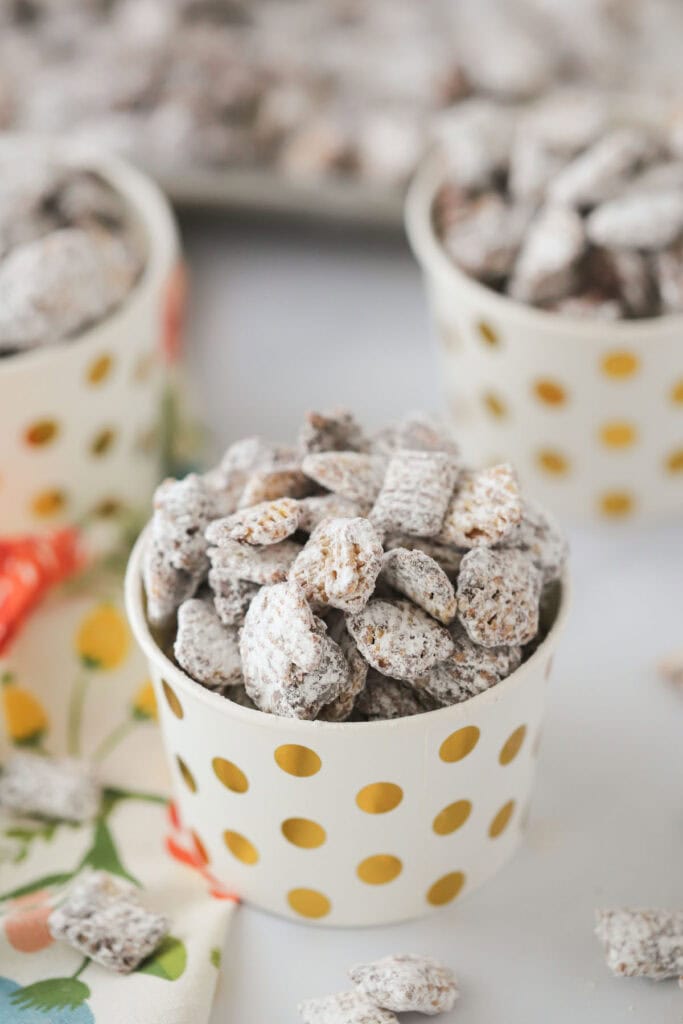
x: 486, y: 506
x: 498, y: 597
x: 399, y: 639
x: 354, y: 475
x: 339, y: 564
x: 205, y: 648
x: 642, y: 943
x: 407, y: 983
x: 60, y: 789
x: 419, y: 577
x: 344, y: 1008
x: 415, y: 493
x: 101, y: 916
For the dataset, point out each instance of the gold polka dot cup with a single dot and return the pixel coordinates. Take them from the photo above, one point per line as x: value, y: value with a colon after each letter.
x: 81, y: 420
x: 350, y: 823
x: 590, y: 412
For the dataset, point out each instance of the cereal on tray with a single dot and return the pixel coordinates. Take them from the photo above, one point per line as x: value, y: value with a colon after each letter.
x: 60, y: 789
x: 69, y: 253
x: 642, y: 943
x: 102, y: 917
x: 407, y: 983
x: 398, y: 582
x: 576, y: 211
x: 344, y: 1008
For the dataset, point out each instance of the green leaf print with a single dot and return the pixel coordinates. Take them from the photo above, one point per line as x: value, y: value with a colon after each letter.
x: 103, y: 855
x: 51, y: 994
x: 40, y: 883
x: 169, y: 961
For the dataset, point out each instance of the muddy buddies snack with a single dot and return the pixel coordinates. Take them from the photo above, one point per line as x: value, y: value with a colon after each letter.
x: 69, y: 252
x: 344, y: 1008
x: 572, y: 210
x: 407, y: 983
x: 642, y: 943
x: 398, y: 582
x: 101, y: 916
x: 59, y: 789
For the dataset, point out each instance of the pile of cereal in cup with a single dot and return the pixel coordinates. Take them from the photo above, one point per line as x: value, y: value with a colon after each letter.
x: 561, y: 206
x: 70, y: 252
x: 349, y: 577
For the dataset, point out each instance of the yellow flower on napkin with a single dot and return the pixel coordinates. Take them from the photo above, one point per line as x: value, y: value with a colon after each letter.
x: 144, y: 702
x: 25, y: 717
x: 103, y: 639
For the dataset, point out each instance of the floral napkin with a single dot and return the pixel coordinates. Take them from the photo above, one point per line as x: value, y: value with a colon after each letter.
x: 73, y: 682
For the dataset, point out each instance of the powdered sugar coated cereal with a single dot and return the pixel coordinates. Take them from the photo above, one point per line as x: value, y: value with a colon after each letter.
x: 498, y: 597
x: 419, y: 577
x: 407, y: 983
x: 399, y: 639
x: 340, y: 563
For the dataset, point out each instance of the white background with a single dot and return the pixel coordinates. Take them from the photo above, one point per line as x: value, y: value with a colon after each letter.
x: 285, y: 318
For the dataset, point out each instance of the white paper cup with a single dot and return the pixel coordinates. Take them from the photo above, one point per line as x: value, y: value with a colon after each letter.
x: 81, y: 420
x: 350, y: 823
x: 590, y: 412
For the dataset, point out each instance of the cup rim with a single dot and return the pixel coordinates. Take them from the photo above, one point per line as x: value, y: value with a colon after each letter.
x: 430, y: 254
x: 150, y: 209
x: 450, y: 715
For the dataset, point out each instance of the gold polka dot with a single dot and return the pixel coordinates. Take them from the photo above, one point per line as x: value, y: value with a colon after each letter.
x: 618, y: 434
x: 620, y: 364
x: 550, y: 392
x: 494, y: 405
x: 99, y: 369
x: 677, y: 392
x: 172, y: 701
x: 108, y: 508
x: 459, y: 744
x: 445, y: 889
x: 674, y: 461
x: 487, y: 333
x: 201, y: 848
x: 41, y: 432
x: 48, y: 503
x: 230, y: 775
x: 452, y: 817
x: 297, y: 760
x: 308, y: 903
x: 380, y: 869
x: 304, y: 833
x: 188, y: 777
x: 379, y: 797
x: 616, y: 504
x: 102, y: 442
x: 240, y: 847
x: 512, y: 745
x: 502, y: 819
x: 551, y: 461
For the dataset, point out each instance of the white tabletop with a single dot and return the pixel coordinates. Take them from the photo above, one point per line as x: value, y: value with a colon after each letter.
x: 283, y: 320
